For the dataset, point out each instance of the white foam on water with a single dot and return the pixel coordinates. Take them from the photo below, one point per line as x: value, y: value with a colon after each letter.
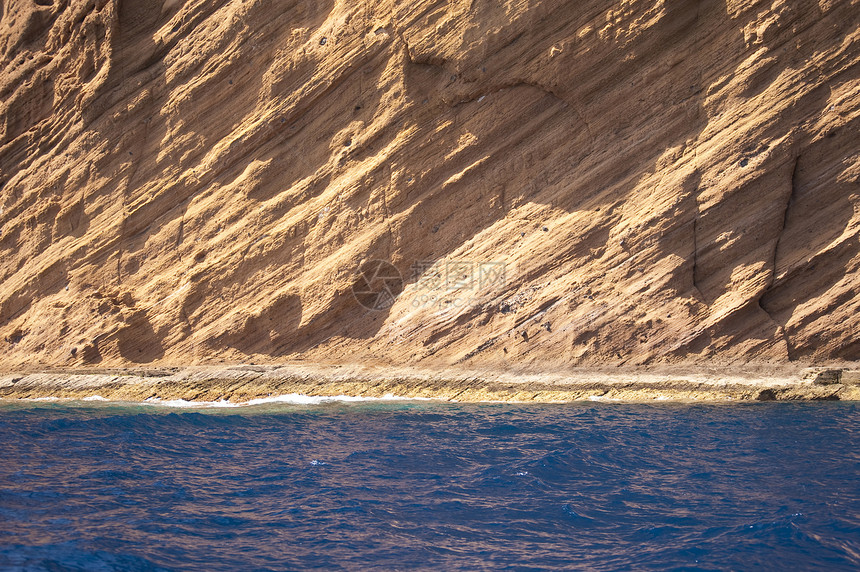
x: 184, y: 404
x: 602, y: 398
x: 300, y: 399
x: 289, y: 399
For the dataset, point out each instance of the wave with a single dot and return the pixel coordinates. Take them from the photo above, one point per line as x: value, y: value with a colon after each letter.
x: 288, y: 399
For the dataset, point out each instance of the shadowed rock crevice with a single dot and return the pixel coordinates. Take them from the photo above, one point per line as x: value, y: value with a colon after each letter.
x: 791, y: 199
x: 816, y: 252
x: 269, y: 331
x: 137, y: 341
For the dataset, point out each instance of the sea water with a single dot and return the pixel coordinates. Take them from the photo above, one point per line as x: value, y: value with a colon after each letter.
x: 313, y: 484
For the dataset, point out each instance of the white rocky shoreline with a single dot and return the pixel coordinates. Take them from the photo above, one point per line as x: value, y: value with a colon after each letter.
x: 245, y: 382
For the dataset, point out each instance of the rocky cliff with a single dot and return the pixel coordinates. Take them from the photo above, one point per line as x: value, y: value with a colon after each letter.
x: 485, y: 183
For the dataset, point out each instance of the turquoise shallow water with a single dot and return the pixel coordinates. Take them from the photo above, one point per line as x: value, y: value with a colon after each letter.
x: 419, y: 485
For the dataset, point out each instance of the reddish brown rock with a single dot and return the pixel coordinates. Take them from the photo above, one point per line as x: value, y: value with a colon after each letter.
x: 197, y: 182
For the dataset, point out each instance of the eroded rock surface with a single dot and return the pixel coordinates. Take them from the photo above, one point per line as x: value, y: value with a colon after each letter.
x: 557, y: 182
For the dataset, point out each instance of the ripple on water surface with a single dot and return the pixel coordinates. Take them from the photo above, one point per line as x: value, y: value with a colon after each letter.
x: 410, y: 484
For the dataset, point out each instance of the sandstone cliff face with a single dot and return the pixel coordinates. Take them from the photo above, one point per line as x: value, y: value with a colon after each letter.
x: 557, y: 182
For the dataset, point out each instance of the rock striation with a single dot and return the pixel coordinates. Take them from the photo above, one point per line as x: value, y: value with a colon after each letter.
x: 475, y: 184
x: 230, y: 386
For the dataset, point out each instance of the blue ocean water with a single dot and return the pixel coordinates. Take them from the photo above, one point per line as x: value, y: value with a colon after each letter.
x: 419, y: 485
